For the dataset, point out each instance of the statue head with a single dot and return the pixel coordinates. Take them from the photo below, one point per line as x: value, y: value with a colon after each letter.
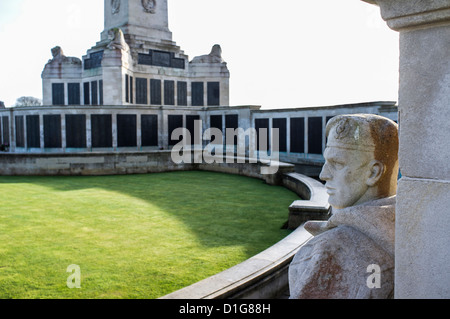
x: 361, y: 159
x: 57, y: 51
x: 216, y: 51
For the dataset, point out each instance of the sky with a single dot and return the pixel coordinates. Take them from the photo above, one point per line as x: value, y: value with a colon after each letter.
x: 281, y: 54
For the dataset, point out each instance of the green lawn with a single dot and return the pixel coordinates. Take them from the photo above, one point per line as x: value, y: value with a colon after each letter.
x: 136, y: 236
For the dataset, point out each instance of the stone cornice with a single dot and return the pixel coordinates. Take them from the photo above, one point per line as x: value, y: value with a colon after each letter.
x: 409, y: 14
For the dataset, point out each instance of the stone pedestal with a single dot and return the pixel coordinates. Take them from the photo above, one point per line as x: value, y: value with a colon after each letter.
x: 422, y: 255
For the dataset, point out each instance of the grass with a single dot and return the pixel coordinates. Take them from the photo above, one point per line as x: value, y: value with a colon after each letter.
x: 134, y: 237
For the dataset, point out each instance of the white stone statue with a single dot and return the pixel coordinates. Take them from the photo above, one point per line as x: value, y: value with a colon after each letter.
x: 117, y: 40
x: 215, y: 56
x: 59, y: 57
x: 352, y: 254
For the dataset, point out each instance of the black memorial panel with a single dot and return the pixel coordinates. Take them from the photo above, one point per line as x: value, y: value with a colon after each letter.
x: 216, y: 121
x: 149, y: 130
x: 87, y: 93
x: 191, y: 125
x: 144, y: 59
x: 76, y: 130
x: 127, y: 88
x: 280, y: 124
x: 33, y: 131
x: 94, y: 60
x: 231, y: 122
x: 141, y: 91
x: 20, y: 131
x: 197, y: 94
x: 5, y: 129
x: 262, y: 127
x: 161, y: 58
x: 213, y: 93
x: 101, y: 130
x: 155, y: 92
x: 169, y: 92
x: 297, y: 135
x: 131, y: 90
x: 182, y: 93
x: 58, y: 93
x: 100, y: 91
x: 74, y: 94
x: 94, y: 92
x: 126, y: 130
x: 52, y: 131
x: 175, y: 121
x: 315, y: 135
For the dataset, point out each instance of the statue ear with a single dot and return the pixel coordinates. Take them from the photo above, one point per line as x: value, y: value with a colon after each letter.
x: 376, y: 171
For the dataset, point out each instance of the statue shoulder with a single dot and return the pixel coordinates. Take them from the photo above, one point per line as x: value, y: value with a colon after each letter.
x: 333, y: 265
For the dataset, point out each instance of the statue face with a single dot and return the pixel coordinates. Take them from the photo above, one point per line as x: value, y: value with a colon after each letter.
x: 346, y: 172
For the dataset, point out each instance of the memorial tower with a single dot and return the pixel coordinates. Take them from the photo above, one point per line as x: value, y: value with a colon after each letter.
x: 143, y: 19
x: 136, y: 62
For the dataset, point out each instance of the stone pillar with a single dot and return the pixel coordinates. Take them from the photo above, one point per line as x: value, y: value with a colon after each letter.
x: 422, y: 255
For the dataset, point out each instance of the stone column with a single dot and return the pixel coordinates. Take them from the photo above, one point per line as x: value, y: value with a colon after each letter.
x: 422, y: 255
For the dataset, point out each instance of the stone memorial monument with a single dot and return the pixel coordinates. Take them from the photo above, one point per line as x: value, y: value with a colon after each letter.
x: 352, y: 254
x: 136, y: 62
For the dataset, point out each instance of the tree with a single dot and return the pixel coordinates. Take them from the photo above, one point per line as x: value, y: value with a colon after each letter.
x: 28, y: 101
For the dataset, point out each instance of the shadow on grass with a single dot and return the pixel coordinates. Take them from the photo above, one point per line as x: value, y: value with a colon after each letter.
x: 220, y: 209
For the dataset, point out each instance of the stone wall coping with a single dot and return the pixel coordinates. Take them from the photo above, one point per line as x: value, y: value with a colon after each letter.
x: 318, y: 193
x: 84, y: 154
x: 330, y: 107
x: 314, y: 205
x: 129, y: 107
x: 253, y: 108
